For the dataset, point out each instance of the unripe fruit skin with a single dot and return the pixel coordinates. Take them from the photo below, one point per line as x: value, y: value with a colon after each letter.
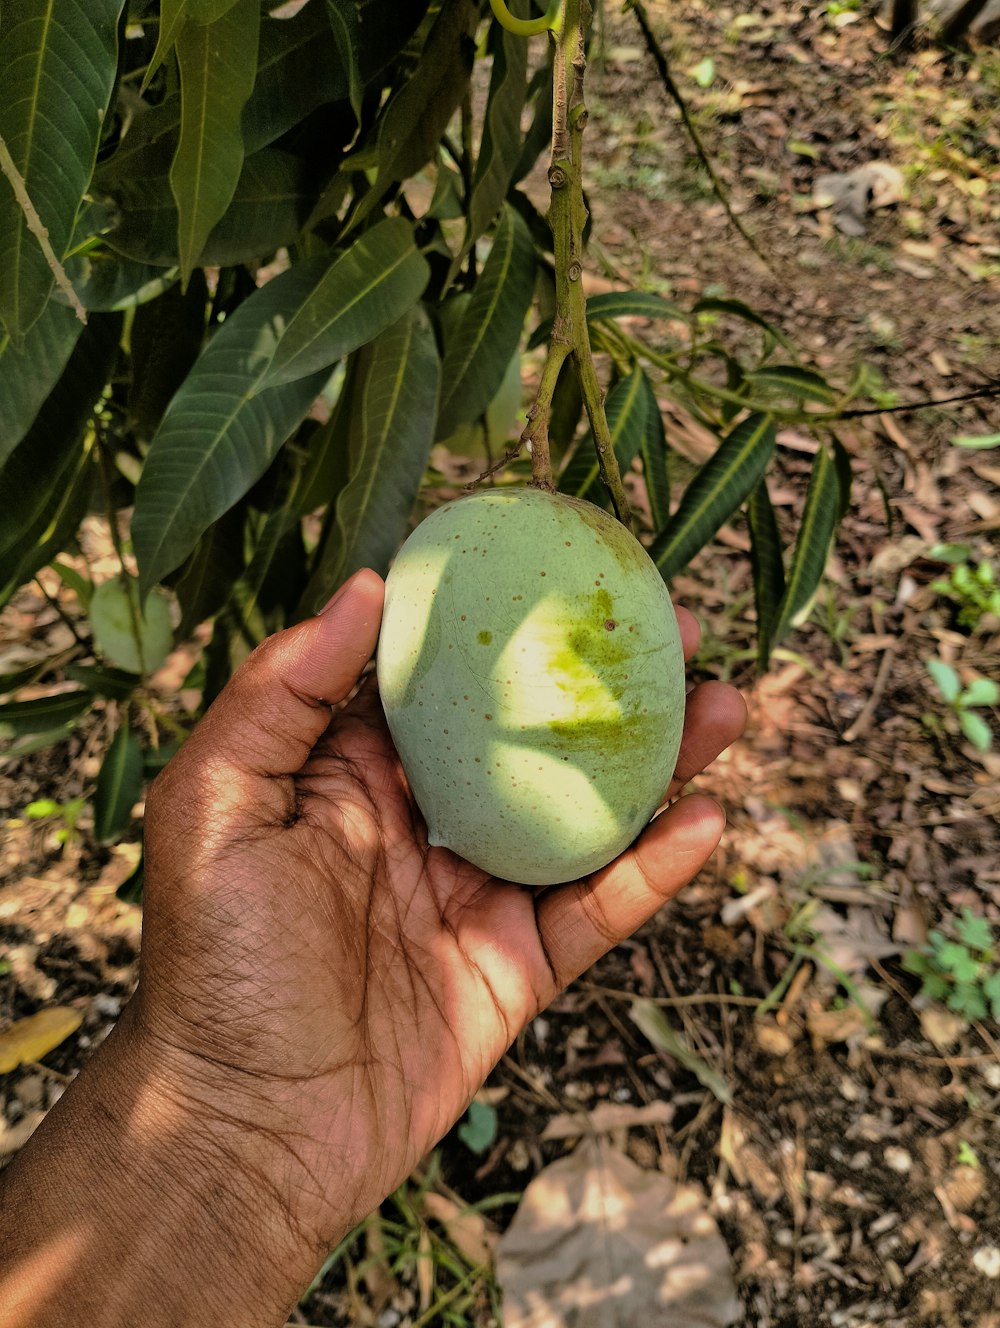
x: 531, y: 671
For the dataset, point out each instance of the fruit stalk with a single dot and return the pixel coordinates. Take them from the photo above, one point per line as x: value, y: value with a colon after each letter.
x: 567, y: 215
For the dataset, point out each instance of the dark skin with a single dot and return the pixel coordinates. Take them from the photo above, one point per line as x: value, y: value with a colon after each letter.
x: 320, y: 995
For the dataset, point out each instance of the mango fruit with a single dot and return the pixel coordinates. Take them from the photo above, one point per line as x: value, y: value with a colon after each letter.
x: 531, y: 672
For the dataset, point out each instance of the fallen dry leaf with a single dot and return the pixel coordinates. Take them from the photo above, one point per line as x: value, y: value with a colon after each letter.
x: 599, y: 1243
x: 467, y: 1230
x: 606, y: 1117
x: 34, y: 1037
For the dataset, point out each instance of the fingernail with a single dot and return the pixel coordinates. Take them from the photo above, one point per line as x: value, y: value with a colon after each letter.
x: 338, y: 595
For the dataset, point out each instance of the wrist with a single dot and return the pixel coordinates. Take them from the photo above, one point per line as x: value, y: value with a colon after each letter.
x: 139, y: 1200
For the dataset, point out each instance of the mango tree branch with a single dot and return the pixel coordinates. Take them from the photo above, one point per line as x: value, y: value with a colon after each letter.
x: 567, y: 214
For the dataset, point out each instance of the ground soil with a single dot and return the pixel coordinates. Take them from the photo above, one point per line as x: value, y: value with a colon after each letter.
x: 855, y: 1170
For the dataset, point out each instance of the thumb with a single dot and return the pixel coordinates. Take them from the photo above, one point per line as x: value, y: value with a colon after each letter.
x: 274, y: 709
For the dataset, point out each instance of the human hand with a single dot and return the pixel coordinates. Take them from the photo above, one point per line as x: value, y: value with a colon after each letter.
x: 311, y: 969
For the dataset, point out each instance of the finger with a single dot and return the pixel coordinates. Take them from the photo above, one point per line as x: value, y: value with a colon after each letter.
x: 273, y: 710
x: 582, y: 921
x: 690, y: 630
x: 715, y: 717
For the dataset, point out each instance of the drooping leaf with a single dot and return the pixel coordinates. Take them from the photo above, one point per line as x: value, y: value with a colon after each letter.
x: 57, y: 70
x: 29, y: 371
x: 364, y: 291
x: 32, y: 1038
x: 119, y: 785
x: 793, y: 381
x: 345, y: 22
x: 738, y: 309
x: 715, y: 493
x: 221, y: 432
x: 45, y: 480
x: 410, y: 126
x: 812, y: 544
x: 626, y: 409
x: 271, y: 202
x: 617, y: 304
x: 43, y: 714
x: 500, y: 146
x: 655, y: 459
x: 218, y: 61
x: 479, y: 350
x: 166, y: 338
x: 390, y: 430
x: 767, y: 566
x: 137, y: 639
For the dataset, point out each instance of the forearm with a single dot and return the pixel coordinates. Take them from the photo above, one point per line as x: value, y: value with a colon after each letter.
x: 127, y: 1207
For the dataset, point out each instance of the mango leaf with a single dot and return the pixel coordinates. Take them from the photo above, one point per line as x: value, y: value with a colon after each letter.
x: 617, y: 304
x: 626, y: 409
x: 737, y: 309
x: 119, y: 785
x: 793, y: 381
x: 480, y: 348
x: 298, y: 69
x: 768, y: 568
x: 271, y: 201
x: 500, y: 146
x: 31, y: 1039
x: 655, y: 459
x: 43, y: 714
x: 165, y: 340
x: 345, y: 22
x: 45, y: 480
x: 106, y: 282
x: 812, y: 545
x: 102, y: 680
x: 218, y: 61
x: 135, y: 640
x: 362, y: 293
x: 173, y: 14
x: 29, y: 371
x: 220, y: 431
x: 211, y: 572
x: 390, y: 430
x: 715, y: 493
x: 409, y: 128
x: 57, y: 72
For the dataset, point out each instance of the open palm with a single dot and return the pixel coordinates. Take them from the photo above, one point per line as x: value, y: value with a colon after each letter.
x: 326, y: 977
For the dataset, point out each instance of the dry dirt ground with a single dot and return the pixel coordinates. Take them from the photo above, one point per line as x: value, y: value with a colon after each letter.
x: 843, y: 1127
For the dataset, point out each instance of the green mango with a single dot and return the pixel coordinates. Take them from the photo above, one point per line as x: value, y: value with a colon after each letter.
x: 531, y: 671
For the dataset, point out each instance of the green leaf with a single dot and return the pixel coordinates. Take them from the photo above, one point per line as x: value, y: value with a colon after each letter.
x: 119, y: 785
x: 626, y: 410
x: 57, y: 70
x: 793, y: 381
x: 211, y: 572
x: 500, y: 147
x: 135, y: 641
x: 218, y: 61
x: 655, y: 459
x: 29, y: 372
x: 737, y: 309
x: 974, y: 930
x: 298, y: 70
x: 768, y: 568
x: 955, y: 959
x: 976, y: 730
x: 46, y: 479
x: 715, y: 493
x: 43, y: 714
x: 480, y: 348
x: 345, y: 22
x: 991, y: 990
x: 271, y: 202
x: 364, y: 291
x: 812, y: 544
x: 165, y: 340
x: 173, y: 14
x: 116, y: 684
x: 106, y: 282
x: 947, y: 680
x: 650, y: 1019
x: 617, y: 304
x: 479, y: 1129
x: 410, y: 127
x: 981, y: 692
x: 977, y: 441
x: 967, y: 999
x: 390, y: 430
x: 220, y: 432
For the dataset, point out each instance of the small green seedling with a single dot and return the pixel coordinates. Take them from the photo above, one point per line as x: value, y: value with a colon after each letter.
x: 962, y: 969
x: 973, y: 589
x: 964, y: 702
x: 69, y: 812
